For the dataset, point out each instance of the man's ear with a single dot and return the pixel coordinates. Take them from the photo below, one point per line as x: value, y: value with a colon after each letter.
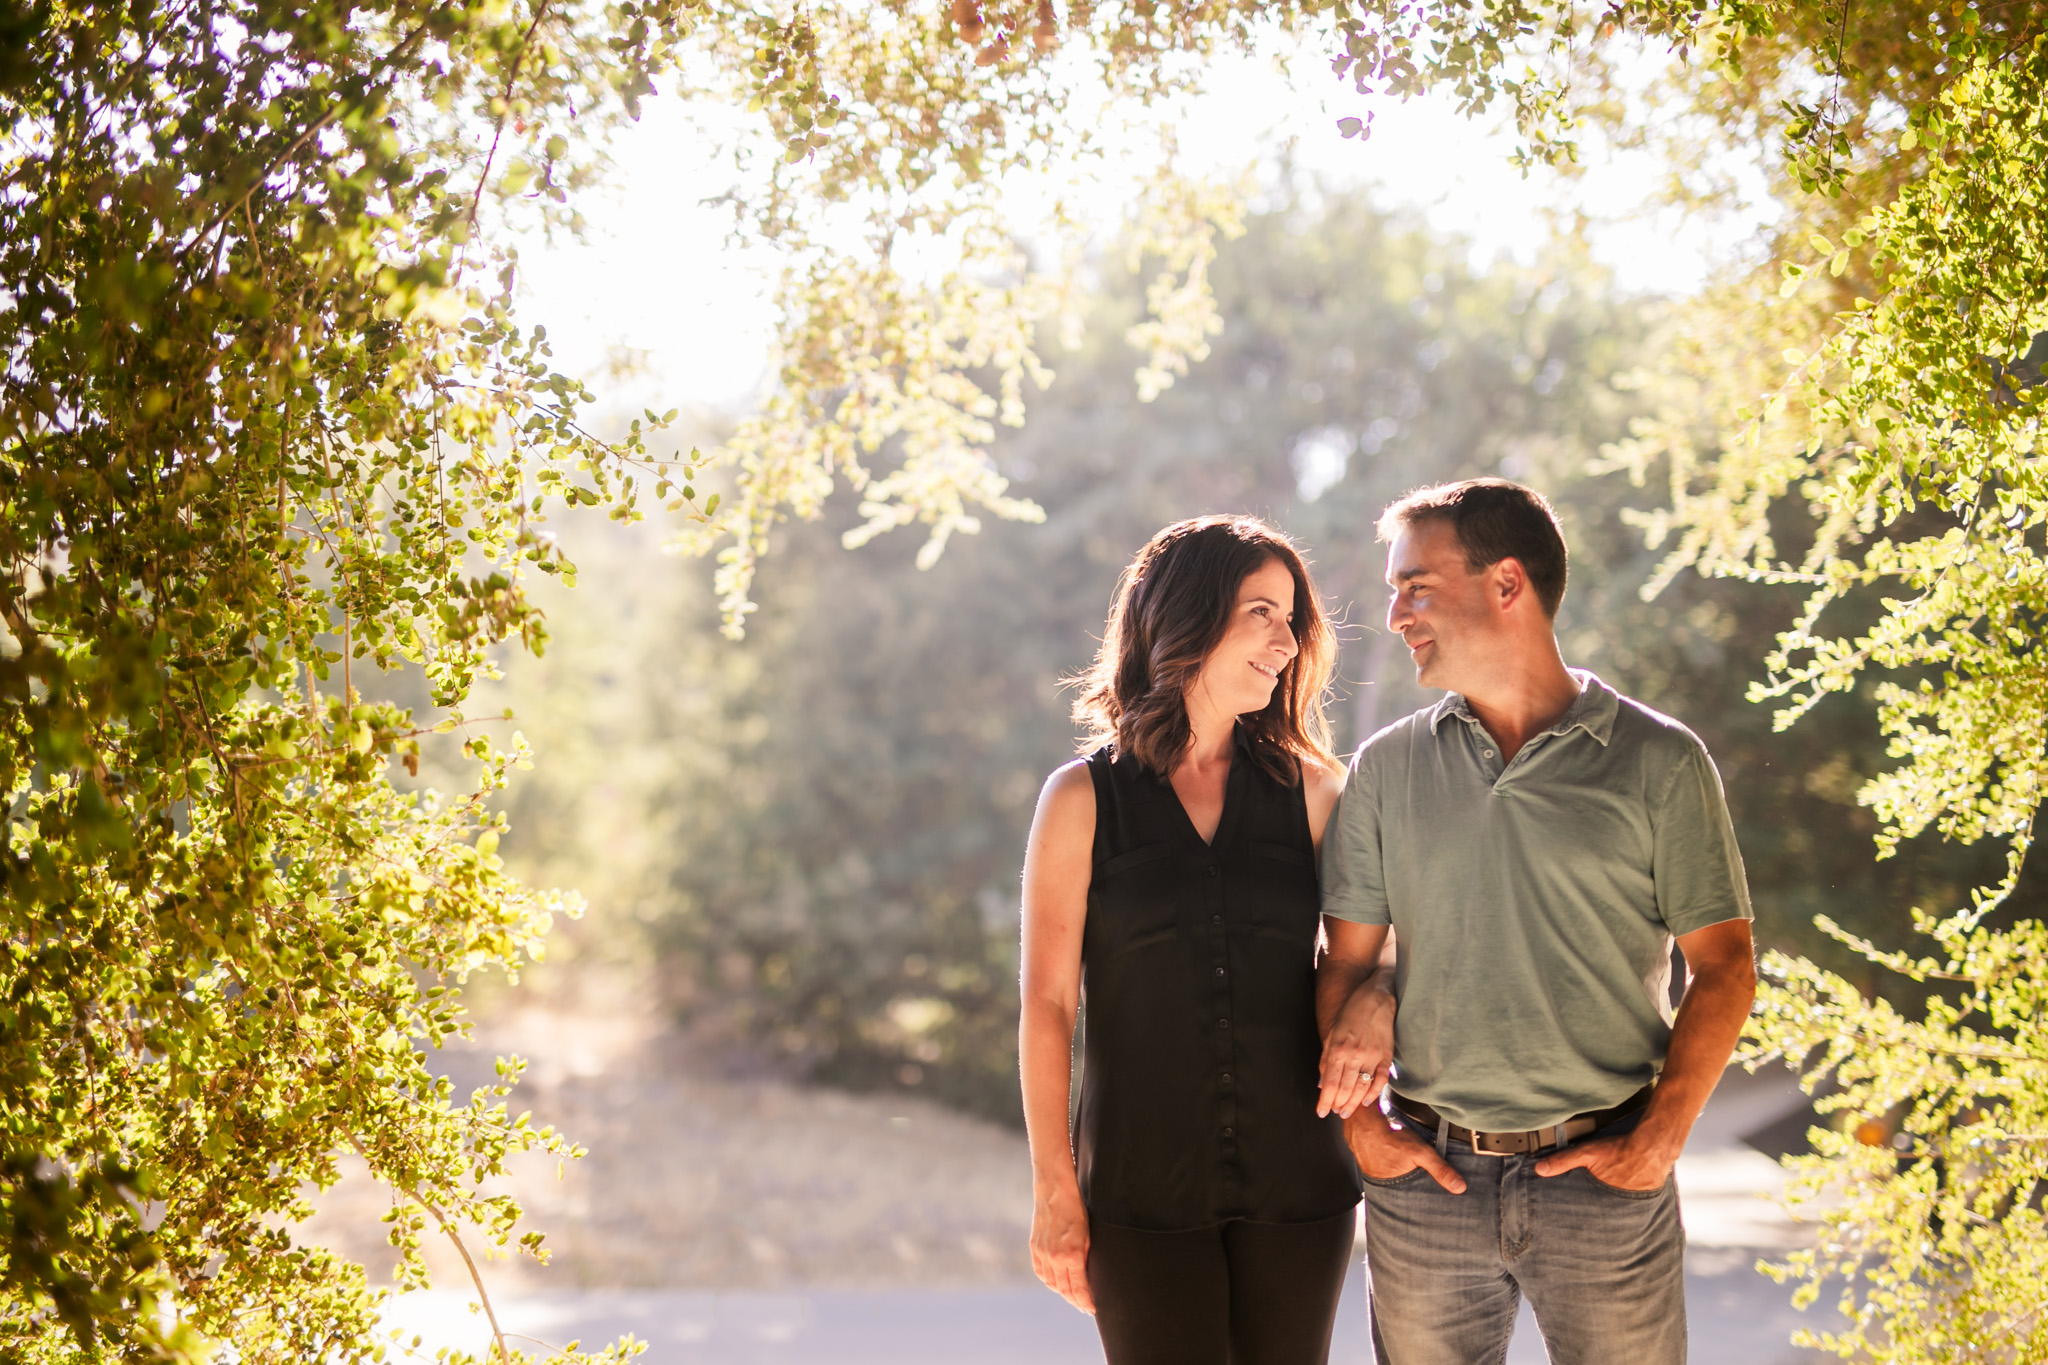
x: 1510, y: 585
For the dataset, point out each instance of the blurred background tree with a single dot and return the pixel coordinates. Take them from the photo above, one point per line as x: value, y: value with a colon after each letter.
x: 818, y: 832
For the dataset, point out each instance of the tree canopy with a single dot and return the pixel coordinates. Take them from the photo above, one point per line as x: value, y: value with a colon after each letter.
x: 268, y: 420
x: 1868, y: 432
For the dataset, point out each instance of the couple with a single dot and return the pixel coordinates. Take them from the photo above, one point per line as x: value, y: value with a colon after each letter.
x: 1534, y: 840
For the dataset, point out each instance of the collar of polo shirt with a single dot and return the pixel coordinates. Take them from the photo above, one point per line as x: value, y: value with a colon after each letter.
x: 1593, y: 712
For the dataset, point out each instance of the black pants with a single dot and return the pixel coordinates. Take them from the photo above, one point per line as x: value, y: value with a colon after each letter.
x: 1241, y: 1293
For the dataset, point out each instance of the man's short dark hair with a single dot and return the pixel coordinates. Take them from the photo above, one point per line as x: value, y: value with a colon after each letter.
x: 1494, y: 520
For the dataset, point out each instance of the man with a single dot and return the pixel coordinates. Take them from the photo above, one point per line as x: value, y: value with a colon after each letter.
x: 1536, y: 842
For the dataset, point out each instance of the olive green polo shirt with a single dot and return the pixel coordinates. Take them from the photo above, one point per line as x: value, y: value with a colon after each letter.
x: 1534, y: 903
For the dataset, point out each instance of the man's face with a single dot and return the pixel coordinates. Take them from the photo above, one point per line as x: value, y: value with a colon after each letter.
x: 1441, y: 609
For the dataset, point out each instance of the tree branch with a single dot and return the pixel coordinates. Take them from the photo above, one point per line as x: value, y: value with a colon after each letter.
x: 498, y: 132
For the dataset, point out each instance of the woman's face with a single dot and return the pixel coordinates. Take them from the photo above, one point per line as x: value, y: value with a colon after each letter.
x: 1239, y: 675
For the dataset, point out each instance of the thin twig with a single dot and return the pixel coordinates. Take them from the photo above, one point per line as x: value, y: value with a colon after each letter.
x: 498, y: 132
x: 348, y: 688
x: 311, y: 130
x: 475, y: 1279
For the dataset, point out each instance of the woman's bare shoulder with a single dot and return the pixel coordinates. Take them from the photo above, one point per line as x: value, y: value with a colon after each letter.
x: 1063, y: 829
x: 1070, y: 790
x: 1323, y: 778
x: 1321, y: 783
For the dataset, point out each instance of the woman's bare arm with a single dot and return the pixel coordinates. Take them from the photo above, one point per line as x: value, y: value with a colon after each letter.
x: 1058, y: 863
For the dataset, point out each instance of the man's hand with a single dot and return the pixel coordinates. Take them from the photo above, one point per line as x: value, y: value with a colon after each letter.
x: 1717, y: 1000
x: 1385, y: 1152
x: 1358, y: 1051
x: 1059, y: 1245
x: 1628, y: 1162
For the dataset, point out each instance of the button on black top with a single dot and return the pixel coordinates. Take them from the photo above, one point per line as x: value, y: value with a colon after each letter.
x: 1159, y: 1143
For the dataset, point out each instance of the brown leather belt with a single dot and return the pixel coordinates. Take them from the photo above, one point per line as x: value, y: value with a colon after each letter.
x: 1514, y: 1144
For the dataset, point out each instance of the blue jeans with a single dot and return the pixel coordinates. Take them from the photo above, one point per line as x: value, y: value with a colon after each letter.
x: 1604, y: 1268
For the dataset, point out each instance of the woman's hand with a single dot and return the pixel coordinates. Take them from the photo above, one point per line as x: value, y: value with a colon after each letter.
x: 1059, y: 1245
x: 1358, y: 1051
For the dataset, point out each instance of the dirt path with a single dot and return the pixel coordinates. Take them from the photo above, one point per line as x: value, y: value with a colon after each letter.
x: 698, y: 1182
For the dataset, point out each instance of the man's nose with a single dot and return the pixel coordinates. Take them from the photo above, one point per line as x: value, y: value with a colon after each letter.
x: 1397, y: 613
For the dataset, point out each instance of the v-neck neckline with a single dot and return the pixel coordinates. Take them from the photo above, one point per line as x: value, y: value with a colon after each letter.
x: 1230, y: 779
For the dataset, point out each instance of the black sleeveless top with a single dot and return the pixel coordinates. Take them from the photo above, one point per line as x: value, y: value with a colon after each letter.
x: 1200, y: 1057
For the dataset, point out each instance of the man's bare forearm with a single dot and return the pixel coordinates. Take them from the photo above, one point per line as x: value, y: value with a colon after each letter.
x: 1334, y: 986
x: 1703, y: 1038
x: 1341, y: 976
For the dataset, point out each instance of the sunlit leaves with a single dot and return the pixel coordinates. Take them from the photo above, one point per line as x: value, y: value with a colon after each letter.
x: 1889, y: 388
x: 266, y: 428
x: 267, y: 423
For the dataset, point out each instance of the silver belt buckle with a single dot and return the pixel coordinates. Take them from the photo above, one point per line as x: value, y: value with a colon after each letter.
x: 1524, y: 1143
x: 1497, y: 1144
x: 1502, y: 1144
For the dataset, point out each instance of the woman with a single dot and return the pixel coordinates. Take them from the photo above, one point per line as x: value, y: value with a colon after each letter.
x: 1203, y: 1212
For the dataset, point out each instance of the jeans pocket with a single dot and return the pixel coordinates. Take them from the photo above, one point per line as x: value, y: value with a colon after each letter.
x: 1618, y: 1192
x: 1396, y: 1182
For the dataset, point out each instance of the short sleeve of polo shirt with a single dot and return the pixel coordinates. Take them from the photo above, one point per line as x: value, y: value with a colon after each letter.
x: 1353, y: 876
x: 1694, y: 862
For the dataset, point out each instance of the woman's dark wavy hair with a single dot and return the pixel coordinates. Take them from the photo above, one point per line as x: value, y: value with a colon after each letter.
x: 1172, y: 607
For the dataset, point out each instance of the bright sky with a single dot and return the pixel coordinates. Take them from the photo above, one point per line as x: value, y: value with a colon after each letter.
x: 656, y: 275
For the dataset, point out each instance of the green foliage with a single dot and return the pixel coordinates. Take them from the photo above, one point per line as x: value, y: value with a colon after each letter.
x: 1933, y: 1172
x: 1881, y: 397
x: 266, y: 422
x: 266, y: 417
